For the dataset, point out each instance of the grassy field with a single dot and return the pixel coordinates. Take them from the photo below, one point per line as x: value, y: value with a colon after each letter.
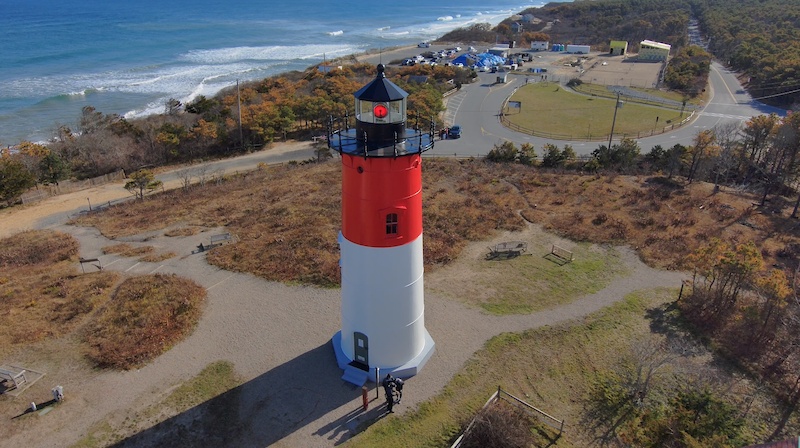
x: 532, y: 281
x: 552, y: 368
x: 602, y: 91
x: 674, y: 96
x: 42, y: 295
x: 549, y: 108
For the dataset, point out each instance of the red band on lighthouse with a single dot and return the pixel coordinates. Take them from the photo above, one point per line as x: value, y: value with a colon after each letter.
x: 381, y: 200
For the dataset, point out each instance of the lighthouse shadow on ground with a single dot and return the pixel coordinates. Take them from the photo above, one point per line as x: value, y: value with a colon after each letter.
x: 269, y: 408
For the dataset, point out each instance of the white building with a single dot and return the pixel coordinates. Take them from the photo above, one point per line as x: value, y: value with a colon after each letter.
x: 653, y: 51
x: 578, y: 49
x: 540, y: 45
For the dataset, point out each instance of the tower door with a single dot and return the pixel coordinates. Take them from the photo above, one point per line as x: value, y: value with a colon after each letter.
x: 361, y: 350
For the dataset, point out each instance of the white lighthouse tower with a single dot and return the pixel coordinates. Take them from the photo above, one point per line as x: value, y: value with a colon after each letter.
x: 383, y: 309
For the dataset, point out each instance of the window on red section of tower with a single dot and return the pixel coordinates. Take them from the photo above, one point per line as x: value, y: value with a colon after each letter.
x: 391, y: 224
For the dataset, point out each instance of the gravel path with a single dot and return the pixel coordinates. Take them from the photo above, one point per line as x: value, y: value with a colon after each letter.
x: 278, y: 338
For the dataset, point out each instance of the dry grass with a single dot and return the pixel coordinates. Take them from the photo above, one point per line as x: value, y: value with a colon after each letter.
x: 34, y: 248
x: 287, y: 217
x: 43, y: 296
x: 41, y: 293
x: 147, y: 315
x: 126, y: 250
x: 145, y: 253
x: 182, y: 231
x: 155, y: 258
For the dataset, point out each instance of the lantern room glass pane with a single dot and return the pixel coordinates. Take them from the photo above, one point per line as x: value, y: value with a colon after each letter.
x: 364, y: 111
x: 397, y: 110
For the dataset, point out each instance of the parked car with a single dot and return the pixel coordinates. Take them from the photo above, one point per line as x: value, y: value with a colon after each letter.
x: 424, y: 45
x: 455, y: 131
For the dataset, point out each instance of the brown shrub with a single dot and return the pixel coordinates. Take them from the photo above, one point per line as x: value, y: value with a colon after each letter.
x: 37, y: 247
x: 146, y: 316
x: 500, y: 425
x: 49, y: 297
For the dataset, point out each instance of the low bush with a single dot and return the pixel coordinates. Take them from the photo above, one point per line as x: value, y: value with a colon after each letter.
x: 146, y: 316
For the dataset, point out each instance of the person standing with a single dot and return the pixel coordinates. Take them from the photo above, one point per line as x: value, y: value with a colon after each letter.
x: 388, y: 389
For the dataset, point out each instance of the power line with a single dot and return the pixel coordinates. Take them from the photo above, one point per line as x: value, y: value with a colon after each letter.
x: 777, y: 94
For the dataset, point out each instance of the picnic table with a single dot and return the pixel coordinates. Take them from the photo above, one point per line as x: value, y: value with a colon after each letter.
x: 508, y: 249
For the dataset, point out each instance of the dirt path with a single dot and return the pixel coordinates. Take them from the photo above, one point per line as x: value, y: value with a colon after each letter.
x: 278, y: 338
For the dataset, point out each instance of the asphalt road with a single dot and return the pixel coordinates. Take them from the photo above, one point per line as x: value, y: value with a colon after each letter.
x: 477, y: 106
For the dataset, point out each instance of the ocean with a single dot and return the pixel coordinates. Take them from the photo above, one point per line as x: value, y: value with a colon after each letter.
x: 128, y: 58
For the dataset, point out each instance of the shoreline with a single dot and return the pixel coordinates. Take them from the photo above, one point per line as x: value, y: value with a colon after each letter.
x: 41, y: 125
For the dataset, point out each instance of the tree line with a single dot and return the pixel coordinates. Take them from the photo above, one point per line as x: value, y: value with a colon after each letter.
x: 759, y: 39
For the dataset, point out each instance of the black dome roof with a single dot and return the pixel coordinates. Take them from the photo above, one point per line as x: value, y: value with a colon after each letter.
x: 380, y: 89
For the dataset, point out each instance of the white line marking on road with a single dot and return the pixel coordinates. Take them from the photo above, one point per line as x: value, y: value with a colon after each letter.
x: 137, y: 264
x: 219, y: 282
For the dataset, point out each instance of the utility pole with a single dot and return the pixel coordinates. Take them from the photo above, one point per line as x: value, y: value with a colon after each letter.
x: 613, y: 122
x: 239, y: 107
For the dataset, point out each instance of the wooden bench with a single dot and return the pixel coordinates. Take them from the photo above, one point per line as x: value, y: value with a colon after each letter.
x: 562, y: 253
x: 12, y: 375
x: 219, y: 239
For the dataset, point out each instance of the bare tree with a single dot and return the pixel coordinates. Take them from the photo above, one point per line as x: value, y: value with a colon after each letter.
x: 727, y: 136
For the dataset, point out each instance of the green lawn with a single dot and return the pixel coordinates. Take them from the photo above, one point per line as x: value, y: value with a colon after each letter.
x: 532, y: 282
x: 549, y: 109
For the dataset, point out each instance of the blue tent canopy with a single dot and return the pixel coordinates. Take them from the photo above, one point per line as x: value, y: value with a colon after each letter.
x: 479, y: 60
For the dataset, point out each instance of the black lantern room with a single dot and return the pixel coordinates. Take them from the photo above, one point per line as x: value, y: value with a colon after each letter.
x: 380, y: 129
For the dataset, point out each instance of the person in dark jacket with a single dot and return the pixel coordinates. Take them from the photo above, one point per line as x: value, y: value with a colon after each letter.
x: 388, y: 389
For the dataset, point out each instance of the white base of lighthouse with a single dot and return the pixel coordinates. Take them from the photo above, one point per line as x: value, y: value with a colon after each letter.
x: 383, y: 310
x: 359, y: 377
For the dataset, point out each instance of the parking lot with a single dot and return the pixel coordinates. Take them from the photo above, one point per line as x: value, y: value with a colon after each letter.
x: 596, y: 68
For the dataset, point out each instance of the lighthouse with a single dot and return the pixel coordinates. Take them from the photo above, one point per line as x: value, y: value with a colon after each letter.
x: 383, y: 309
